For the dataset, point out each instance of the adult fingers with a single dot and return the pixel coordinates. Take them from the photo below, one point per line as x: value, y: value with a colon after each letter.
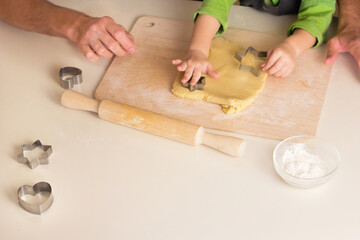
x: 89, y: 53
x: 122, y: 36
x: 131, y: 37
x: 112, y: 45
x: 355, y: 51
x: 333, y: 48
x: 100, y: 49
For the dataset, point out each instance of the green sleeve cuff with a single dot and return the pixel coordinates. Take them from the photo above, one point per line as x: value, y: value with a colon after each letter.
x: 218, y: 9
x: 315, y: 18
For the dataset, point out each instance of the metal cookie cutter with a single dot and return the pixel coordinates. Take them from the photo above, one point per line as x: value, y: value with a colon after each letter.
x: 41, y: 199
x: 240, y: 54
x: 198, y: 86
x: 34, y: 154
x: 70, y: 76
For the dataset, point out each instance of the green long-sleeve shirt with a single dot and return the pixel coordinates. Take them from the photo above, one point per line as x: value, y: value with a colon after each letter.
x: 314, y: 15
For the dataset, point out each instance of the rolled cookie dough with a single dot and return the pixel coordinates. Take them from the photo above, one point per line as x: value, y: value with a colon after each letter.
x: 234, y: 90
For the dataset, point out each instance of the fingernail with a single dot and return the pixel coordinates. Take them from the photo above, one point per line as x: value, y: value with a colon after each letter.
x: 131, y: 50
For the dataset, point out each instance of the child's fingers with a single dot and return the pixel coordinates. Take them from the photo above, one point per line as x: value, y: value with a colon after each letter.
x: 284, y: 71
x: 182, y: 67
x: 176, y: 61
x: 279, y: 64
x: 287, y: 73
x: 196, y: 76
x: 187, y: 75
x: 271, y: 60
x: 211, y: 72
x: 268, y: 56
x: 281, y: 72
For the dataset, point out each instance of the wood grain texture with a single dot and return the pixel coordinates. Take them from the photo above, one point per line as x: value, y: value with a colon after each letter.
x: 287, y: 107
x: 153, y: 123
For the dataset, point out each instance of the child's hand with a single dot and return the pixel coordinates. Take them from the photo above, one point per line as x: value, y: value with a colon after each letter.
x: 281, y: 60
x: 194, y: 64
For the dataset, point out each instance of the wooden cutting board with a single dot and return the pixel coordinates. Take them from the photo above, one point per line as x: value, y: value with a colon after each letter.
x: 286, y: 107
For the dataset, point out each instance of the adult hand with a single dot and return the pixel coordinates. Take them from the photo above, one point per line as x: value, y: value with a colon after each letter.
x: 346, y: 40
x: 102, y: 37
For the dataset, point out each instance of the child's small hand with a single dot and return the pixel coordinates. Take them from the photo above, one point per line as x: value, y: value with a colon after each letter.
x: 281, y: 60
x: 193, y: 65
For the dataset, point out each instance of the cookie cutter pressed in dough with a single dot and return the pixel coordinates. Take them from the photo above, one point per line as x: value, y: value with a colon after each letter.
x: 70, y: 76
x: 239, y: 55
x: 40, y: 158
x: 33, y: 206
x: 197, y: 86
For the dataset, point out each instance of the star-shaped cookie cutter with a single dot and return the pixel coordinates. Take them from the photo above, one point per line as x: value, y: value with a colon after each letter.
x: 197, y: 86
x: 239, y: 55
x: 38, y: 188
x: 41, y: 158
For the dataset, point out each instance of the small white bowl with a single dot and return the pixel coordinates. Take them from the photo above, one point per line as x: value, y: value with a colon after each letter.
x: 305, y: 161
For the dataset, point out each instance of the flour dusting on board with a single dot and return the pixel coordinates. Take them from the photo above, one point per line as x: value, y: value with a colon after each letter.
x: 286, y: 107
x: 136, y: 121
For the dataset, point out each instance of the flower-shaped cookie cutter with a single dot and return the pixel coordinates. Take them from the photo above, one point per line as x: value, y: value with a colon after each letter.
x: 239, y: 55
x: 41, y: 190
x: 40, y: 154
x: 197, y: 86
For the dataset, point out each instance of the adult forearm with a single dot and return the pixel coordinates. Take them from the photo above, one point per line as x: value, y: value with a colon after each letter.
x: 349, y: 13
x: 41, y: 16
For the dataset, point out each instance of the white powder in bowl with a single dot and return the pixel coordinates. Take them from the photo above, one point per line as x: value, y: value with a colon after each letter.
x: 298, y: 162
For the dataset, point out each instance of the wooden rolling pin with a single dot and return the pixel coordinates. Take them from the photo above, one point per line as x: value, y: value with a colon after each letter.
x: 154, y: 123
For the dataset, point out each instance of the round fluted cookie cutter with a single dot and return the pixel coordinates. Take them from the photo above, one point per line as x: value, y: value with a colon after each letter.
x: 70, y: 76
x: 36, y: 207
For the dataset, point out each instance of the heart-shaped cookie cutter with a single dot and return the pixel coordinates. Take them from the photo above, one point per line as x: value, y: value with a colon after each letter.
x: 38, y: 188
x: 38, y: 160
x: 70, y: 76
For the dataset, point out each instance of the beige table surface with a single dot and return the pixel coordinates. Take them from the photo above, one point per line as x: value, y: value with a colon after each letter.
x: 113, y: 182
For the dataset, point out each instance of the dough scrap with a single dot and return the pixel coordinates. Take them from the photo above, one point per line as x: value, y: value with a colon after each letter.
x: 234, y: 90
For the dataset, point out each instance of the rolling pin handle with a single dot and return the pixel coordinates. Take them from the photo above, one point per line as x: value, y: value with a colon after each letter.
x: 232, y: 146
x: 76, y: 100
